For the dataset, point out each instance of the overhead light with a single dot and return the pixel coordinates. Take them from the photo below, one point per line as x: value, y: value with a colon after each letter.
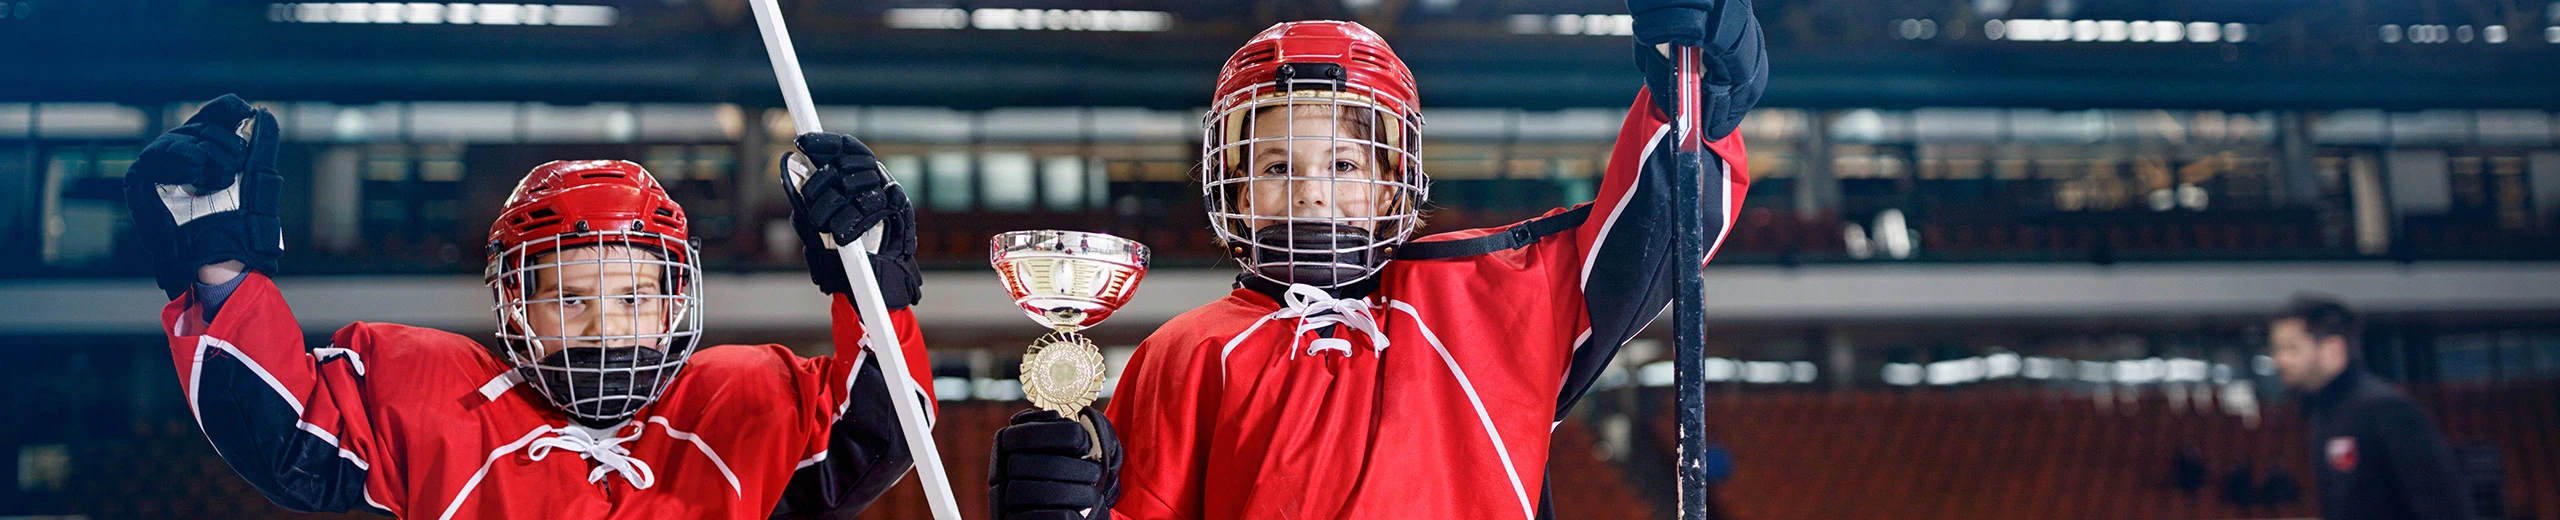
x: 2429, y: 33
x: 429, y: 13
x: 2114, y: 31
x: 1006, y: 19
x: 926, y: 18
x: 1573, y: 24
x: 1915, y: 28
x: 2204, y: 32
x: 1902, y: 374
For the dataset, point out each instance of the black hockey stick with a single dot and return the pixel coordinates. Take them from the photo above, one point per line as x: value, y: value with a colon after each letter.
x: 1689, y: 334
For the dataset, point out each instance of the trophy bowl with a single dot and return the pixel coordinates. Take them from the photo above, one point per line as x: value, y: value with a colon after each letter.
x: 1068, y: 280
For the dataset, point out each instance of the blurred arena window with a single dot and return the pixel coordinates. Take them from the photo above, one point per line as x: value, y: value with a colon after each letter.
x: 43, y: 467
x: 82, y: 205
x: 948, y: 175
x: 1006, y: 181
x: 17, y: 120
x: 88, y: 121
x: 1660, y: 374
x: 589, y: 123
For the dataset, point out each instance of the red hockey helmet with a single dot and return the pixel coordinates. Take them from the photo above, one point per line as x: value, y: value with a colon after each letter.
x: 570, y: 205
x: 1366, y: 62
x: 1320, y: 204
x: 579, y: 198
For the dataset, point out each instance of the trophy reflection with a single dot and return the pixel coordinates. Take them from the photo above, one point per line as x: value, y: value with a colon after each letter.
x: 1067, y: 280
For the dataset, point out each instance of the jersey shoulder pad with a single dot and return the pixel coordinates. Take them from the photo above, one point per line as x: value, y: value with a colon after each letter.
x: 765, y: 374
x: 407, y: 345
x: 1216, y: 322
x: 733, y: 358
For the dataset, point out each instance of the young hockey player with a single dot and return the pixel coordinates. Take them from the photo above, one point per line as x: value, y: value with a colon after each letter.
x: 595, y: 403
x: 1354, y: 372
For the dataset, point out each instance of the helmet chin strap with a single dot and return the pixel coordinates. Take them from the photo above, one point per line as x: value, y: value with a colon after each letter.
x: 1319, y: 254
x: 1279, y: 292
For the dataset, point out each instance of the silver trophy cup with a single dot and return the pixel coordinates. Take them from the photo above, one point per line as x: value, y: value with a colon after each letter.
x: 1067, y: 280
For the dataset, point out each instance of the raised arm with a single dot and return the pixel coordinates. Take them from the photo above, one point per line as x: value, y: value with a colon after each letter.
x: 1618, y: 246
x: 864, y: 451
x: 1622, y: 239
x: 1625, y: 242
x: 292, y: 421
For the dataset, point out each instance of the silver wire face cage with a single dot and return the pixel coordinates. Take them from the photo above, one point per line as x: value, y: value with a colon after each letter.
x: 1238, y: 133
x: 511, y: 280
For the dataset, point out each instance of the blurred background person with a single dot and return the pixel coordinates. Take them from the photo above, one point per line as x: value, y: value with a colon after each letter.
x: 2377, y: 454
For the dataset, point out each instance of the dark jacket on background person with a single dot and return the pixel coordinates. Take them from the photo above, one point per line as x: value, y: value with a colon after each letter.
x: 2377, y: 456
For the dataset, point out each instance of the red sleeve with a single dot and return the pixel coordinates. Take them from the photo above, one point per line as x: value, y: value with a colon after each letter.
x: 292, y: 421
x: 846, y: 329
x: 1163, y: 407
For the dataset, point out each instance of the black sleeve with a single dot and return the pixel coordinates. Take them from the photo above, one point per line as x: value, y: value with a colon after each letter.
x: 260, y: 433
x: 2421, y: 461
x: 1634, y: 274
x: 866, y: 453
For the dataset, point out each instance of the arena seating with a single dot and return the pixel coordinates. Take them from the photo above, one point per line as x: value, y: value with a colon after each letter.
x: 1984, y: 453
x: 2518, y: 419
x: 1585, y: 484
x: 966, y: 433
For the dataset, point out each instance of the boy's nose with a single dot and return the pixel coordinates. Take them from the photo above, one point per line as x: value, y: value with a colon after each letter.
x: 1311, y: 193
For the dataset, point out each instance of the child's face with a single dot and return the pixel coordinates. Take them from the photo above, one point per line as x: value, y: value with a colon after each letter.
x: 1312, y: 161
x: 606, y: 296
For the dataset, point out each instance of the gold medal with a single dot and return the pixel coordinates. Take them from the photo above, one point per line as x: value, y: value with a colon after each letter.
x: 1062, y: 373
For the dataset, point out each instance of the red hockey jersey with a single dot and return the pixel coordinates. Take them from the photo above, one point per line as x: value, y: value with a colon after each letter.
x: 421, y: 423
x: 1432, y: 398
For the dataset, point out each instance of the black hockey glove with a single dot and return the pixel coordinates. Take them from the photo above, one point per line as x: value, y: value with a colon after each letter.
x: 1042, y: 471
x: 846, y: 194
x: 1736, y: 70
x: 204, y: 194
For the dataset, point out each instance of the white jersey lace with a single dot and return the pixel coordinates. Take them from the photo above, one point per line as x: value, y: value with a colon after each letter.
x: 608, y: 453
x: 1316, y: 310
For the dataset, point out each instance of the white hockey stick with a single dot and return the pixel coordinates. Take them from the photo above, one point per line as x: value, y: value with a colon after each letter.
x: 876, y: 327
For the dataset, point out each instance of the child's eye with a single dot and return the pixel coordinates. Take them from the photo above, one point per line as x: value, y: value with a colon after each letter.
x: 1345, y: 166
x: 1276, y: 169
